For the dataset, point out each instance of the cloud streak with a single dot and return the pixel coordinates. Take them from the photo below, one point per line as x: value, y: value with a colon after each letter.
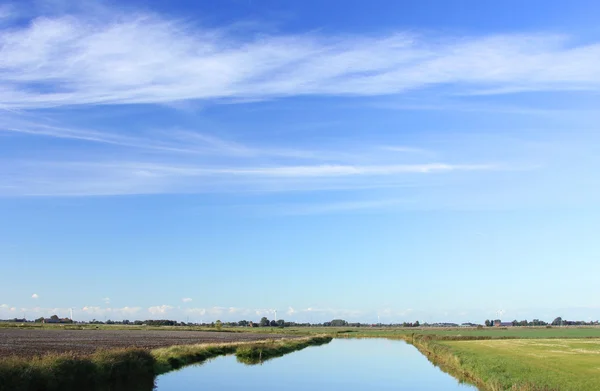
x: 80, y: 178
x: 145, y: 58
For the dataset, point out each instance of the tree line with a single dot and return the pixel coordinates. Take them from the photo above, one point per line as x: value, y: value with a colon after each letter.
x: 559, y: 321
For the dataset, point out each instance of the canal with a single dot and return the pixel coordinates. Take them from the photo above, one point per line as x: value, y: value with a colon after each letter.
x: 343, y: 364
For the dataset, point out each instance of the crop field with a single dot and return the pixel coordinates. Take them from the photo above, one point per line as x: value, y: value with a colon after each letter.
x: 32, y: 342
x: 553, y: 364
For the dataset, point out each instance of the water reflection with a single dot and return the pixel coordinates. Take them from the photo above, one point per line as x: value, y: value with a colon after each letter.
x: 343, y: 364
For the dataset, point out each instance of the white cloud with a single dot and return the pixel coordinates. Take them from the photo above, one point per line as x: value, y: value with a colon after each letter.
x: 160, y: 310
x: 106, y: 300
x: 115, y: 313
x: 186, y: 299
x: 35, y: 296
x: 99, y: 178
x: 145, y: 58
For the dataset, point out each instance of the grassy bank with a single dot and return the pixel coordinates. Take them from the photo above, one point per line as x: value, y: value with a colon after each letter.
x: 126, y: 369
x: 258, y: 352
x: 516, y: 364
x: 130, y: 369
x: 167, y: 359
x: 541, y: 364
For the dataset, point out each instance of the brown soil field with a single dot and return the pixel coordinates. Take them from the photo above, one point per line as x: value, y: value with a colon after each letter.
x: 31, y: 342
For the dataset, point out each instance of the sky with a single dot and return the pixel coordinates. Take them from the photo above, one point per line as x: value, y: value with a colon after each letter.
x: 382, y: 160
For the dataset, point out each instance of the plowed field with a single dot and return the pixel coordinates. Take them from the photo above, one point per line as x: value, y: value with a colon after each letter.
x: 31, y: 342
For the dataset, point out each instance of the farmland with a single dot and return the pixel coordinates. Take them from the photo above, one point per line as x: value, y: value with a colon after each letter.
x: 554, y: 364
x: 519, y: 358
x: 27, y: 342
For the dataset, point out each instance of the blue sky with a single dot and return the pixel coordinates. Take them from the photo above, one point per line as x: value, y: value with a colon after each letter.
x: 200, y: 160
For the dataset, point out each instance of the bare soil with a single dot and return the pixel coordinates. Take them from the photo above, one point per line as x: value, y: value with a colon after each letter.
x: 32, y: 342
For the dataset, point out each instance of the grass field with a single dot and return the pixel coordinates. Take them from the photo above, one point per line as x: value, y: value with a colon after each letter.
x: 490, y: 332
x: 552, y: 364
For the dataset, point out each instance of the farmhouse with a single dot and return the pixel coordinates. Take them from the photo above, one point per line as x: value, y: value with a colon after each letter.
x: 499, y: 323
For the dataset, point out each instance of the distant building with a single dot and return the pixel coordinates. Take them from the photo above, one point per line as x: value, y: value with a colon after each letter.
x: 499, y: 323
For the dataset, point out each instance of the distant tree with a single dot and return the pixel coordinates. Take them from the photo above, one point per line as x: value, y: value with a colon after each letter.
x: 243, y: 323
x: 54, y: 317
x: 218, y: 324
x: 338, y: 323
x: 488, y: 323
x: 281, y: 323
x: 557, y: 322
x: 264, y: 322
x: 417, y: 324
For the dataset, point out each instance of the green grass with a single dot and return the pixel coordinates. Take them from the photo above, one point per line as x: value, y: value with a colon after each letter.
x: 256, y: 353
x: 490, y: 332
x: 130, y: 369
x: 545, y: 364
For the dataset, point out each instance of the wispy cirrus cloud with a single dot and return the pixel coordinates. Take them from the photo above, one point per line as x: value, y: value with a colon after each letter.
x: 78, y: 59
x: 186, y: 161
x: 80, y: 178
x: 119, y: 58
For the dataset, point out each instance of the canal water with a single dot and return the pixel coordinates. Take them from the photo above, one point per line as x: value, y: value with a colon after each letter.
x: 343, y: 364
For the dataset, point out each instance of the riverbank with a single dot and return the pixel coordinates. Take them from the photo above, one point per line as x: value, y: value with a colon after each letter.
x: 175, y: 357
x: 516, y: 364
x: 130, y: 369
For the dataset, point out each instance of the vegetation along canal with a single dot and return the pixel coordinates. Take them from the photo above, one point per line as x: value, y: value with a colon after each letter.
x: 343, y: 364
